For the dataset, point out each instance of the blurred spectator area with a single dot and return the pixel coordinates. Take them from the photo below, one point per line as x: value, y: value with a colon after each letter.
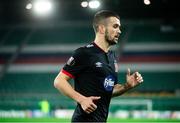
x: 32, y: 55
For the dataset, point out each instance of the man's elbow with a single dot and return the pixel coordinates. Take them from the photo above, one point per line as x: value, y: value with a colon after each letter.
x: 56, y: 83
x: 60, y: 82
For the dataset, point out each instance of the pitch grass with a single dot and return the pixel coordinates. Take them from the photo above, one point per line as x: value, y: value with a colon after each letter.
x: 110, y: 120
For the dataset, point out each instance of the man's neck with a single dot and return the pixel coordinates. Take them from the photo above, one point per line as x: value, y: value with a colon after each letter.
x: 102, y: 44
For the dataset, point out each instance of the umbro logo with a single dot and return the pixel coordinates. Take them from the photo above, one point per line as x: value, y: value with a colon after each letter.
x: 98, y: 64
x: 90, y: 45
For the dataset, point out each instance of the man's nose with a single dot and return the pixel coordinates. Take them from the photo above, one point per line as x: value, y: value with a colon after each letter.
x: 119, y: 31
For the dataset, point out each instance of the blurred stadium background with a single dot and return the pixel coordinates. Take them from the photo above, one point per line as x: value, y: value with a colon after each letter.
x: 37, y: 37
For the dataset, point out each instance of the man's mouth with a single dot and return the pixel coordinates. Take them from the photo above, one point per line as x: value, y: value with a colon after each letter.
x: 117, y: 36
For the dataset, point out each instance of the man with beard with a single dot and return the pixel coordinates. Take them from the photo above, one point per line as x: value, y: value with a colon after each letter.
x: 94, y: 70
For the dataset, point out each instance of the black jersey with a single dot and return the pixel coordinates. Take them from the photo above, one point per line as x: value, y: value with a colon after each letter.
x: 94, y: 73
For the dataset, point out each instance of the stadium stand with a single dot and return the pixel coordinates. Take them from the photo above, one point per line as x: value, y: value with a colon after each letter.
x: 25, y: 83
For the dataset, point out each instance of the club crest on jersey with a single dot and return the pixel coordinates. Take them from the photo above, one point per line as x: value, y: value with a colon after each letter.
x: 98, y: 64
x: 71, y: 61
x: 109, y: 83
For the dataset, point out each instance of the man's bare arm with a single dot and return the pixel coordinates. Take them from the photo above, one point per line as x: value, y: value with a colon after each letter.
x: 131, y: 82
x: 61, y: 82
x: 120, y: 89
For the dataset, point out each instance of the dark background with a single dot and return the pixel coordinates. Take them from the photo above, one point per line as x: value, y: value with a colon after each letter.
x: 14, y: 12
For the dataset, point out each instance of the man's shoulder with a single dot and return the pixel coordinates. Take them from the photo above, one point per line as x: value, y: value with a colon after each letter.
x: 85, y: 49
x: 83, y: 52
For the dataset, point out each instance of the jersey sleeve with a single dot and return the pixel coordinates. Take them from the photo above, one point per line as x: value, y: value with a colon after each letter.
x: 75, y: 64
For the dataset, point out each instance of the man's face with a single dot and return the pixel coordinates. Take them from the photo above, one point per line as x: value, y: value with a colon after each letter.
x: 112, y: 31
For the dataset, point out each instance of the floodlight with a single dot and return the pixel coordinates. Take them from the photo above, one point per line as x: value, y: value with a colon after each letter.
x: 29, y: 6
x: 94, y: 4
x: 42, y: 7
x: 147, y: 2
x: 84, y: 4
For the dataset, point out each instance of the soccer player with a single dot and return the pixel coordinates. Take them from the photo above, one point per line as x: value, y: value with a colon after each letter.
x: 94, y: 70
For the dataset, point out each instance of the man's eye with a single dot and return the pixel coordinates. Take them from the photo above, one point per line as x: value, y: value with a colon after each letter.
x: 115, y: 26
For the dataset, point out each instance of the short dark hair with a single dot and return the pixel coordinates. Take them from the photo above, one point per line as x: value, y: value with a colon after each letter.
x: 102, y: 15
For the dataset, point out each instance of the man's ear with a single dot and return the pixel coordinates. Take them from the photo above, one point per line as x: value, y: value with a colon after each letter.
x: 101, y: 29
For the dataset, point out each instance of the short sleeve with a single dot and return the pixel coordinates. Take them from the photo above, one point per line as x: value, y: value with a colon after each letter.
x: 75, y: 64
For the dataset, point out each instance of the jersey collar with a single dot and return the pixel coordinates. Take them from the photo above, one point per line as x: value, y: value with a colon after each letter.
x: 99, y: 47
